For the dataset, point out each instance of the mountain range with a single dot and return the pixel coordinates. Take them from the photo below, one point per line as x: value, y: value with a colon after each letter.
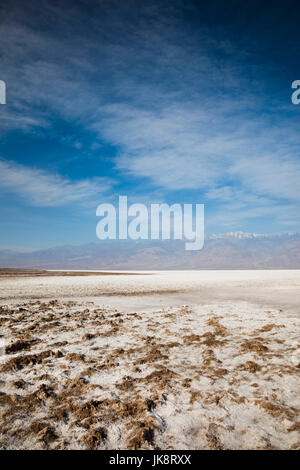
x: 233, y: 250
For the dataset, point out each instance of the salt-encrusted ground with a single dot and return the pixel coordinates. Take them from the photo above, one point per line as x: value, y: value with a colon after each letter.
x: 81, y: 374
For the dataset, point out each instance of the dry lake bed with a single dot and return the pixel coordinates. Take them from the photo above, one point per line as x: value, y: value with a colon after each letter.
x: 150, y: 360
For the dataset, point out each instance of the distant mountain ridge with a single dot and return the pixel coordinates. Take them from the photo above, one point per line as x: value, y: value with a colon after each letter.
x: 247, y: 235
x: 232, y: 250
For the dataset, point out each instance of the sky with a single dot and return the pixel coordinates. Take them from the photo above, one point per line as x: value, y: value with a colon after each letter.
x: 162, y: 101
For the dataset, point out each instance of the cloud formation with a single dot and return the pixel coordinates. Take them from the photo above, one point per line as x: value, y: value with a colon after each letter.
x: 185, y: 106
x: 42, y: 189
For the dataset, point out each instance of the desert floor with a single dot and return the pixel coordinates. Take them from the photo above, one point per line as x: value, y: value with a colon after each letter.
x: 154, y: 360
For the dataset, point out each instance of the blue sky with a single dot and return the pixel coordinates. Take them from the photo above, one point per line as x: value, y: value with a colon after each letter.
x: 162, y: 101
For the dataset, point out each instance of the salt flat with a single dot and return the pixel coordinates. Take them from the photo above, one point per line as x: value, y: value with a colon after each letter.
x: 171, y: 359
x: 279, y: 288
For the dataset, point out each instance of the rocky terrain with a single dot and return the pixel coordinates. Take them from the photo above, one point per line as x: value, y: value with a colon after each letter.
x: 80, y: 375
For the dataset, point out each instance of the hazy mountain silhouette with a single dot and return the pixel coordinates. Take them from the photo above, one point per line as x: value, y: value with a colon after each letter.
x: 223, y: 251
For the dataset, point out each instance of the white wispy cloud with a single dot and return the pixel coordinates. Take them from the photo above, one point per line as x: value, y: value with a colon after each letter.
x: 276, y: 175
x: 42, y: 189
x: 190, y: 147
